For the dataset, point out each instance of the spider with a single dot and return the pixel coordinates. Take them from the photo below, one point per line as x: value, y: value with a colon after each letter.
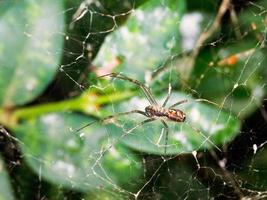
x: 153, y: 112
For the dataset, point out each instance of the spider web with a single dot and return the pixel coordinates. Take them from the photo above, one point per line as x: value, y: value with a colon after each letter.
x: 206, y: 170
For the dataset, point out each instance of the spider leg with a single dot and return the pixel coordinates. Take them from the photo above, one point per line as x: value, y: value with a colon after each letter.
x: 166, y: 135
x: 140, y: 124
x: 106, y: 119
x: 168, y: 96
x: 178, y: 103
x: 144, y: 88
x: 205, y: 137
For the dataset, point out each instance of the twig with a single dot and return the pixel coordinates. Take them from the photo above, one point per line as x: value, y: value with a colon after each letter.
x: 234, y: 20
x: 225, y: 5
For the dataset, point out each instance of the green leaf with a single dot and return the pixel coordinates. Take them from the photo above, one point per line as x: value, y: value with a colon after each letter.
x: 30, y: 49
x: 6, y: 192
x: 206, y: 127
x: 149, y: 37
x: 82, y: 160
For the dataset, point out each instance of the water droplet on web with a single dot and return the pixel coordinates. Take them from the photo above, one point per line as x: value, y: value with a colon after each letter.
x: 255, y: 148
x: 236, y: 85
x: 81, y: 135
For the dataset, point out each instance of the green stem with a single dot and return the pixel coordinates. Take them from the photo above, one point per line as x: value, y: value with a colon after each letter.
x: 86, y: 103
x: 114, y: 97
x: 33, y: 111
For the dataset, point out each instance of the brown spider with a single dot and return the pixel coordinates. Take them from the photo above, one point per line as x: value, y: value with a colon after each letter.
x: 154, y: 111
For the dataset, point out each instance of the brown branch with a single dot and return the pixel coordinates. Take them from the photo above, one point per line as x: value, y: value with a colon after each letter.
x: 225, y: 5
x: 234, y: 20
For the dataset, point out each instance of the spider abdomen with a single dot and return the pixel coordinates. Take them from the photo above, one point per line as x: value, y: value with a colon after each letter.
x: 172, y: 114
x: 176, y: 115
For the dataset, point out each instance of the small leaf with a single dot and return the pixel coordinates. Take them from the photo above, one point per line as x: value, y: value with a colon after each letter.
x: 30, y: 49
x: 149, y: 37
x: 206, y: 126
x: 6, y: 192
x: 82, y: 160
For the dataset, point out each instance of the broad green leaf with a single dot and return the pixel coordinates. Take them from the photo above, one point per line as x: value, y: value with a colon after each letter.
x: 30, y: 49
x: 82, y: 160
x: 149, y: 37
x: 239, y: 86
x: 206, y: 127
x: 6, y: 192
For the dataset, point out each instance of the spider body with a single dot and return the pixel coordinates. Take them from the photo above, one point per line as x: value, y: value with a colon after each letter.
x: 171, y: 114
x: 176, y: 115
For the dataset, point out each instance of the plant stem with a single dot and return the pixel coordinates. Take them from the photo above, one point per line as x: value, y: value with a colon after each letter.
x: 87, y: 103
x: 114, y: 97
x: 33, y: 111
